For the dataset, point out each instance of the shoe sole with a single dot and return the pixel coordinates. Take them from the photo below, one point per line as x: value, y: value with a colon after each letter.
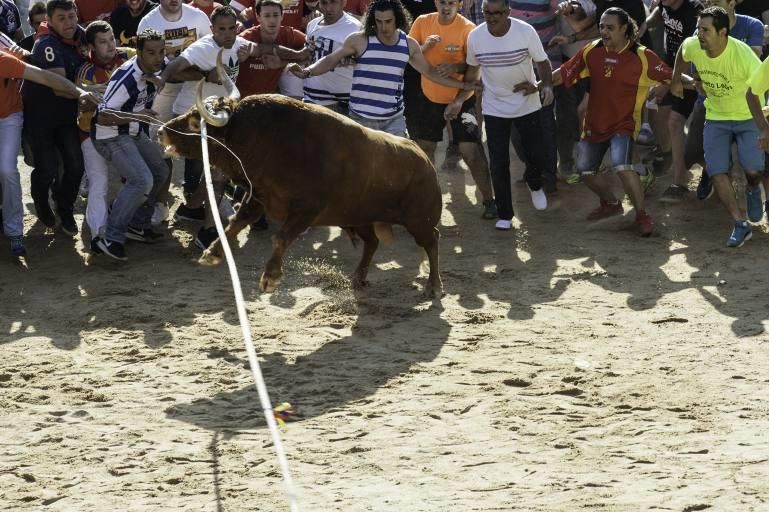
x: 710, y: 194
x: 747, y: 237
x: 105, y: 250
x: 69, y: 232
x: 140, y: 238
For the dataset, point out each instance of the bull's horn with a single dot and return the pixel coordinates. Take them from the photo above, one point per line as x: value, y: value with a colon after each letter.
x: 219, y: 118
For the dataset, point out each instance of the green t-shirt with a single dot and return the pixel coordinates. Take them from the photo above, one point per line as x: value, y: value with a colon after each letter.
x: 759, y: 82
x: 725, y: 78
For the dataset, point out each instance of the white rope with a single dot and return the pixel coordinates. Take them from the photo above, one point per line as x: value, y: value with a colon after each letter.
x: 261, y: 387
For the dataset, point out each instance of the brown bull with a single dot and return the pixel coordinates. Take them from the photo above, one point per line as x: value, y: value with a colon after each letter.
x: 309, y: 166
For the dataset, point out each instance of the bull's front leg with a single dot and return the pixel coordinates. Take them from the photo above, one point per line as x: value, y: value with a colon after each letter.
x: 370, y: 244
x: 247, y: 214
x: 293, y: 227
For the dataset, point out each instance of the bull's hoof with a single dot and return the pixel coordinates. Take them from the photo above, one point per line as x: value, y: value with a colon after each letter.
x: 268, y: 284
x: 210, y: 259
x: 359, y: 283
x: 433, y: 291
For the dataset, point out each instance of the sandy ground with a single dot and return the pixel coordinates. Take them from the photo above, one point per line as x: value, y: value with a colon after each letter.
x: 569, y: 367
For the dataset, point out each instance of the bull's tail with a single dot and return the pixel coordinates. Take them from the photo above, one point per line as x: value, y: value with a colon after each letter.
x: 384, y: 232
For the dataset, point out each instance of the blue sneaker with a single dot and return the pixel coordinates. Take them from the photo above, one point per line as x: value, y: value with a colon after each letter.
x: 755, y: 208
x: 741, y: 233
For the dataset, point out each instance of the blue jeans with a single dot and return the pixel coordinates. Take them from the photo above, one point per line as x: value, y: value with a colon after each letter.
x: 717, y: 138
x: 140, y: 162
x: 10, y: 140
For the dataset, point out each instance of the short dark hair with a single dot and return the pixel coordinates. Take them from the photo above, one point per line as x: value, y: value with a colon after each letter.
x: 719, y: 16
x: 148, y: 35
x: 624, y: 19
x: 402, y: 16
x: 506, y: 3
x: 37, y: 8
x: 222, y: 11
x: 96, y: 27
x: 64, y: 5
x: 262, y: 3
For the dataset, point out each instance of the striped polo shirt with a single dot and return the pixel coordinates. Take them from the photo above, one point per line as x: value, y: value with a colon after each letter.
x: 377, y: 79
x: 127, y: 91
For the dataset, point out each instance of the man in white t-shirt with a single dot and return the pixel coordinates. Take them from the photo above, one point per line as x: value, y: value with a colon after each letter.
x: 196, y: 62
x: 501, y: 51
x: 181, y: 25
x: 325, y: 35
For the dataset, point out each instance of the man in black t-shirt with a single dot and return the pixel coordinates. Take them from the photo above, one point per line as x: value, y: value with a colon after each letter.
x: 36, y: 17
x: 679, y: 18
x: 125, y: 20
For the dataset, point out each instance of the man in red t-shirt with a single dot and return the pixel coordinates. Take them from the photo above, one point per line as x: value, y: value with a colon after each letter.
x: 621, y: 73
x: 293, y: 12
x: 12, y: 72
x: 260, y: 75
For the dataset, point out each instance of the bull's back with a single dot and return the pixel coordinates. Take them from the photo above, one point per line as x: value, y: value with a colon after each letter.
x: 309, y: 154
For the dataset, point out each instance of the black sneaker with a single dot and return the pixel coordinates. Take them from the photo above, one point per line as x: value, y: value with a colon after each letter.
x: 674, y: 194
x: 145, y: 235
x: 45, y: 214
x: 95, y: 249
x: 68, y: 224
x: 184, y: 212
x: 489, y: 210
x: 261, y: 224
x: 112, y: 249
x: 206, y: 237
x: 705, y: 187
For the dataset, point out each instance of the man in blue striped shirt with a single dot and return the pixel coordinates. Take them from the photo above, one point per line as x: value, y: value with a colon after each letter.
x: 120, y: 134
x: 381, y: 52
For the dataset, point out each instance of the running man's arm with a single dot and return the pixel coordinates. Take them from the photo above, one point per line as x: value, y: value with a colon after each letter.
x: 60, y: 85
x: 350, y: 48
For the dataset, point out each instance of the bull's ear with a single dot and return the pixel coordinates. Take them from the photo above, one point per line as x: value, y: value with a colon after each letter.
x: 193, y: 123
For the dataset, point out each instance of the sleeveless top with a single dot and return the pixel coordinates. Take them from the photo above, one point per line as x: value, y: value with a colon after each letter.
x: 377, y: 79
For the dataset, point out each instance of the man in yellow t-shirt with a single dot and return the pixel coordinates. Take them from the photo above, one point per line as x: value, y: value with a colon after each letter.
x: 724, y: 66
x: 443, y: 38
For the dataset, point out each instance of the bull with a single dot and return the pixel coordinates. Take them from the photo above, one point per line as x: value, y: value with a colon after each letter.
x: 309, y: 166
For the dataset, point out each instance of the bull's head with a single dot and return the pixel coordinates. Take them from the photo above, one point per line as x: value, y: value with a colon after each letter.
x: 211, y: 108
x: 177, y: 134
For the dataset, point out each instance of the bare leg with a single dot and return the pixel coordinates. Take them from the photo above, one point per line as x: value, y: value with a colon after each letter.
x: 725, y: 191
x: 632, y: 185
x: 247, y: 214
x: 370, y: 244
x: 429, y: 148
x: 475, y: 159
x: 600, y: 187
x: 676, y: 124
x: 661, y: 127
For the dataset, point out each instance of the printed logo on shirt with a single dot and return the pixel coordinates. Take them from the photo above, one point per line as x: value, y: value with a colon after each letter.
x: 178, y: 39
x: 452, y: 48
x: 322, y: 46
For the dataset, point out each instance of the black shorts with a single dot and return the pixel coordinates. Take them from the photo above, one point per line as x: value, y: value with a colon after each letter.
x: 683, y: 106
x: 429, y: 126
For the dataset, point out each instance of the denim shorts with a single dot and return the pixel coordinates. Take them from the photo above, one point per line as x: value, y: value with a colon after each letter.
x: 590, y: 154
x: 717, y: 138
x: 394, y: 125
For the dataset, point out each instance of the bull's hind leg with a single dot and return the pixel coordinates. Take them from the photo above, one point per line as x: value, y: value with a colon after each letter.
x: 428, y: 240
x: 370, y: 244
x: 273, y: 271
x: 247, y: 214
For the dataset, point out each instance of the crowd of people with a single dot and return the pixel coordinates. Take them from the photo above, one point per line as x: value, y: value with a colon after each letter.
x: 578, y: 87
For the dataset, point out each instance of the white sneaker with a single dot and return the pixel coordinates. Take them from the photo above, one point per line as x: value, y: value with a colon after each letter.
x: 538, y: 199
x: 160, y: 214
x: 504, y: 225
